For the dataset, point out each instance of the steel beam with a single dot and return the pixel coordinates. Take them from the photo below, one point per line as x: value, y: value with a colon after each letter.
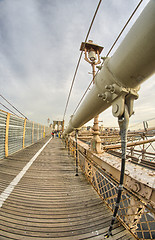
x: 122, y: 74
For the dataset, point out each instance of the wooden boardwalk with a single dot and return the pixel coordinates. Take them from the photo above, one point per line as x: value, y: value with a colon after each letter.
x: 50, y: 202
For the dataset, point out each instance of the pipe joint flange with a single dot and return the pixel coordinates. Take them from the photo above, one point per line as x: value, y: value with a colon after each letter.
x: 116, y: 89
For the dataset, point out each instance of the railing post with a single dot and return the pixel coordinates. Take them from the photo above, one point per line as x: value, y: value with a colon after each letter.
x: 76, y: 146
x: 132, y: 151
x: 143, y: 150
x: 65, y: 143
x: 7, y: 134
x: 68, y: 145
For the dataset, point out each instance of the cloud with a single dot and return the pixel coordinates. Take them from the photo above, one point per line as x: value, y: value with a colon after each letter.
x: 40, y: 43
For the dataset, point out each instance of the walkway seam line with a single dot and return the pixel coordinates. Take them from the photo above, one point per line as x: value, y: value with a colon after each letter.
x: 6, y: 193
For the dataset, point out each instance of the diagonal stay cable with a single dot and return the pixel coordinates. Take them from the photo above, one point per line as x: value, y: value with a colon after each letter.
x: 13, y: 107
x: 80, y: 58
x: 8, y: 109
x: 109, y: 53
x: 123, y: 28
x: 83, y: 95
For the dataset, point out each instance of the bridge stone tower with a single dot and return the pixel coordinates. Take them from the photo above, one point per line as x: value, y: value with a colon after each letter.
x: 59, y: 125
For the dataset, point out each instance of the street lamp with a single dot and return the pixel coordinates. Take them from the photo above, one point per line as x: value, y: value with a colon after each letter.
x: 92, y: 56
x: 48, y: 121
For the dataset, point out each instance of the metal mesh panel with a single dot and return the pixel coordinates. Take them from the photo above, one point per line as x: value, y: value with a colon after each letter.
x: 3, y: 117
x: 47, y: 131
x: 15, y: 139
x: 40, y: 131
x: 33, y: 133
x: 28, y: 133
x: 135, y: 215
x: 35, y: 136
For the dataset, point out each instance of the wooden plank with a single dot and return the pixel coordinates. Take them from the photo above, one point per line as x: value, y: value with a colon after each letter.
x: 50, y: 202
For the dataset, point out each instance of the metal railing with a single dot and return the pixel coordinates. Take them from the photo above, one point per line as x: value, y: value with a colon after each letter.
x: 140, y: 147
x: 17, y: 133
x: 136, y: 215
x: 139, y: 152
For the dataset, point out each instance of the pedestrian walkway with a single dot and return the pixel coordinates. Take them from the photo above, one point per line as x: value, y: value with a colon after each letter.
x: 47, y: 201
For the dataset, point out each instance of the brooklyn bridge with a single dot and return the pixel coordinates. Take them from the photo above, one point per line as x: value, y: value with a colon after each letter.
x: 85, y: 181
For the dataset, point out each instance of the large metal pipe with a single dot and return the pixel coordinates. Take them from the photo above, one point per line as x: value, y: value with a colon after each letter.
x: 132, y: 63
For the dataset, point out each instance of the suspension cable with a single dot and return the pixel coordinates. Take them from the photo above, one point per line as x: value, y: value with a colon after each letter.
x: 123, y: 28
x: 13, y: 107
x: 109, y: 53
x: 80, y: 58
x: 83, y: 95
x: 8, y: 109
x: 138, y: 123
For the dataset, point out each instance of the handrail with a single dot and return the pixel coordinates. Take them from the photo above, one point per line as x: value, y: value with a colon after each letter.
x: 130, y: 144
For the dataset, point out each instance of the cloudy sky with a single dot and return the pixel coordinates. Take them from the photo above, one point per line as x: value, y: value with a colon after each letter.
x: 39, y: 50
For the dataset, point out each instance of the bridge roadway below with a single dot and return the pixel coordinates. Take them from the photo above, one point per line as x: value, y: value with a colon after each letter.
x: 48, y: 201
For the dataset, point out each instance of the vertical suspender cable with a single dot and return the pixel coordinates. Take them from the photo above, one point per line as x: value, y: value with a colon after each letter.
x: 80, y: 58
x: 123, y: 124
x: 110, y: 51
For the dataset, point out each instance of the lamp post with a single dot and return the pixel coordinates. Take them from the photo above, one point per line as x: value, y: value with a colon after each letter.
x: 91, y: 50
x: 48, y: 121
